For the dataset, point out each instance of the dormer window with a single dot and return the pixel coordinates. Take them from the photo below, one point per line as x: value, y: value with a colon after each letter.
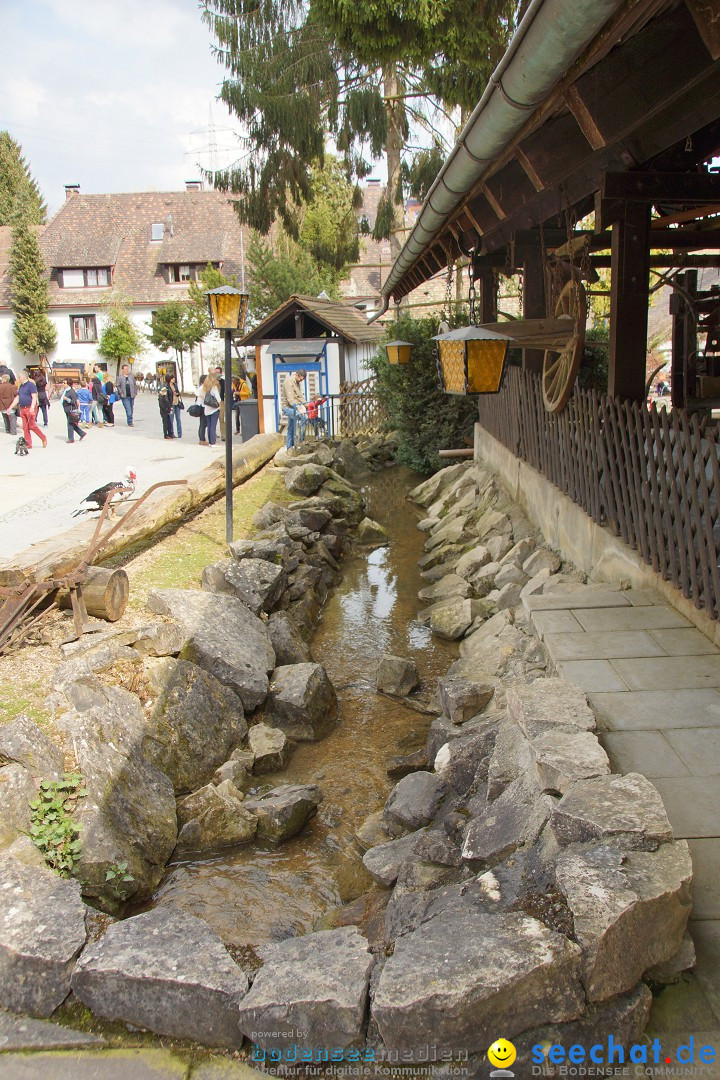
x: 180, y: 273
x: 157, y: 230
x: 96, y: 277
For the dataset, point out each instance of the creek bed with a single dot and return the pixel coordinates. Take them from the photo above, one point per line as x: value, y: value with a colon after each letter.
x: 261, y: 893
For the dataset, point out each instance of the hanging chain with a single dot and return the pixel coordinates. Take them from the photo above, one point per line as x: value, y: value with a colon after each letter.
x: 471, y: 286
x: 447, y: 305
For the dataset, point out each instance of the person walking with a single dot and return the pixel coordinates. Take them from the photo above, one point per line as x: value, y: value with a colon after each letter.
x: 210, y: 390
x: 7, y: 396
x: 292, y: 403
x: 5, y: 370
x: 84, y: 394
x: 98, y: 400
x: 165, y: 404
x: 177, y: 407
x: 26, y: 400
x: 127, y: 392
x: 71, y: 408
x: 108, y: 410
x: 221, y: 388
x: 43, y: 400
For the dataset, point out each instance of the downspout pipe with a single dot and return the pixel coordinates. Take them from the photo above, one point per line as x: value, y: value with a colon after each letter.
x: 550, y: 37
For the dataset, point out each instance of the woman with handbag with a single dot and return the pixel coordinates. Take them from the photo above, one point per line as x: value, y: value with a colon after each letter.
x: 210, y: 390
x: 71, y: 408
x: 177, y: 407
x: 197, y: 411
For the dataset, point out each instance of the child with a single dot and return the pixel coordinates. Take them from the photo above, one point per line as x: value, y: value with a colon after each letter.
x: 313, y: 414
x: 84, y: 396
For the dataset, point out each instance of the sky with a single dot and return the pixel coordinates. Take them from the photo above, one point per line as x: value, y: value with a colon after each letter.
x: 113, y: 95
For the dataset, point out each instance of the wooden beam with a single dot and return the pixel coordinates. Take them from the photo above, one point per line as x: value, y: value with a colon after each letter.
x: 488, y: 295
x: 607, y: 212
x: 527, y: 165
x: 493, y: 202
x: 664, y: 262
x: 653, y: 187
x: 687, y: 239
x: 683, y: 217
x: 705, y: 14
x: 585, y: 119
x: 533, y: 300
x: 629, y: 303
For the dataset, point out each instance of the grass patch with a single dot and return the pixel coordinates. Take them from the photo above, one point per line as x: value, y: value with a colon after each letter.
x: 26, y: 697
x: 177, y: 561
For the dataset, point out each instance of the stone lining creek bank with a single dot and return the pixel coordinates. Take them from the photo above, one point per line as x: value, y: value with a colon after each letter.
x: 509, y: 883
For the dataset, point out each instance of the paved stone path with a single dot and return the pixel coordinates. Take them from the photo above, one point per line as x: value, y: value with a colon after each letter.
x: 40, y: 491
x: 654, y: 683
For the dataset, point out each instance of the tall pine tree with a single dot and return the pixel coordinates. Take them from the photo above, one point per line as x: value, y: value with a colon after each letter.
x: 372, y: 76
x: 15, y: 179
x: 32, y: 329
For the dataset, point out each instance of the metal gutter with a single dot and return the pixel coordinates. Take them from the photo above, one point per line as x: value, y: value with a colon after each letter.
x: 550, y: 37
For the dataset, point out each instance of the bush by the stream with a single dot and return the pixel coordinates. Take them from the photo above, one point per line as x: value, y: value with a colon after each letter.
x: 426, y: 419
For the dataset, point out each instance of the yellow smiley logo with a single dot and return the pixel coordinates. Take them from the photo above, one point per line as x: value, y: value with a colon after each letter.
x: 502, y: 1053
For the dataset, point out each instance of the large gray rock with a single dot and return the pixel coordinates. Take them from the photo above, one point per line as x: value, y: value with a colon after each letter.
x: 23, y: 743
x: 450, y: 532
x: 462, y: 698
x: 284, y: 811
x: 317, y: 984
x: 414, y: 801
x: 513, y: 820
x: 307, y: 479
x: 549, y: 703
x: 626, y: 809
x: 164, y: 637
x: 17, y: 791
x: 396, y: 676
x: 451, y: 619
x: 462, y: 977
x: 463, y: 760
x: 510, y: 758
x: 270, y: 747
x: 214, y: 817
x: 287, y: 641
x: 195, y: 723
x: 223, y: 637
x: 629, y: 911
x: 257, y: 582
x: 352, y: 464
x: 371, y: 534
x: 301, y: 701
x: 542, y: 559
x: 42, y: 930
x: 429, y: 490
x: 560, y: 758
x: 384, y: 861
x: 472, y: 561
x: 448, y: 587
x: 442, y: 731
x: 165, y: 971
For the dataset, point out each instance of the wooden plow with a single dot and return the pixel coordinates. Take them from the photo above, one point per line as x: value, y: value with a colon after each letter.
x: 22, y: 605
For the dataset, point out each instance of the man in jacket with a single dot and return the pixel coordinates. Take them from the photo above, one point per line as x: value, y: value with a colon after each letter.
x: 292, y: 403
x: 7, y: 396
x: 127, y: 391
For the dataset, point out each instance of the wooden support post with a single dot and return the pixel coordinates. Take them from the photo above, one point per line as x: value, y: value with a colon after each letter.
x: 629, y: 303
x: 488, y: 296
x: 533, y: 301
x: 259, y: 388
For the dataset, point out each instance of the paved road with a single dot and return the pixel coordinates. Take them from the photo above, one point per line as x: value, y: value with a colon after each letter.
x: 39, y: 492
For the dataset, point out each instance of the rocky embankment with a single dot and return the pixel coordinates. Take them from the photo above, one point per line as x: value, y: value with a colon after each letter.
x: 523, y: 889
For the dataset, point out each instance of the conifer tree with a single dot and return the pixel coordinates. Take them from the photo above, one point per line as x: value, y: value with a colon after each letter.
x: 370, y: 75
x: 32, y: 329
x: 15, y: 179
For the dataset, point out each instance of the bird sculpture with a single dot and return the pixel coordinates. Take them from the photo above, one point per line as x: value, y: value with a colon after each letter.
x: 96, y: 499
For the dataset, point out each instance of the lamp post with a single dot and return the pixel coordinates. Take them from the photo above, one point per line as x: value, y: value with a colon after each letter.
x: 398, y: 352
x: 228, y: 307
x: 471, y: 360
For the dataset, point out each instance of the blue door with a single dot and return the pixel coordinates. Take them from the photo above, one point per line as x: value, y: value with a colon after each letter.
x: 315, y: 384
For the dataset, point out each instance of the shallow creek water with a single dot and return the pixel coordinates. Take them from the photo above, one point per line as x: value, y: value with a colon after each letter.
x: 261, y: 893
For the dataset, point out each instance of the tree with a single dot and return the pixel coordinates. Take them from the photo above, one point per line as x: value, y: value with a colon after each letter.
x: 179, y: 325
x: 32, y: 329
x: 120, y: 339
x: 371, y: 76
x: 15, y: 180
x: 425, y: 419
x: 283, y: 269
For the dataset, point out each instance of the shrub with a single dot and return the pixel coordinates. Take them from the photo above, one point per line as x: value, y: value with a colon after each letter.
x: 426, y: 419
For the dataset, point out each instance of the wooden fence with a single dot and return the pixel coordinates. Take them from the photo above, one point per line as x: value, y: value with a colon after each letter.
x: 358, y: 409
x: 651, y: 475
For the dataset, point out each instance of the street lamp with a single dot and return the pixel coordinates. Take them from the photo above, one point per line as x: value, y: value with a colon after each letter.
x: 398, y: 352
x: 227, y: 307
x: 471, y: 360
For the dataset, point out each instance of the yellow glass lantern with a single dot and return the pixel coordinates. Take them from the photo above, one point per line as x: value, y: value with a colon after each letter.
x: 398, y: 352
x: 228, y: 307
x: 471, y: 360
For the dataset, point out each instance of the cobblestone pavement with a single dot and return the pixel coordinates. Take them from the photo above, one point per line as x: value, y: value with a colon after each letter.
x: 40, y: 491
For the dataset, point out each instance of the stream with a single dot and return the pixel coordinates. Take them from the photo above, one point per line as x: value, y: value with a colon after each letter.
x: 260, y: 893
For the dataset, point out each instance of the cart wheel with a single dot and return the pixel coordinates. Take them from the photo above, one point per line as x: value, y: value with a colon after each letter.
x: 560, y: 368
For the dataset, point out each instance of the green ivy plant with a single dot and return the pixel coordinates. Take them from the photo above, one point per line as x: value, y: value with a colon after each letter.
x: 115, y: 877
x: 53, y: 829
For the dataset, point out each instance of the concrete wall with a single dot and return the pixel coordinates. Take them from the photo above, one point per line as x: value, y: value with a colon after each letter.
x: 571, y: 532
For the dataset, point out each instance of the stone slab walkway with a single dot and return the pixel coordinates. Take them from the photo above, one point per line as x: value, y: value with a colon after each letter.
x: 653, y: 681
x: 119, y: 1065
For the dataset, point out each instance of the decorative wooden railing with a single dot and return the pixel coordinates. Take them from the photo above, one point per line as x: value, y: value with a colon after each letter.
x: 651, y: 475
x: 358, y: 409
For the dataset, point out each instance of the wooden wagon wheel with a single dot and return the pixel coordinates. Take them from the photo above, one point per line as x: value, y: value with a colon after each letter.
x: 560, y: 367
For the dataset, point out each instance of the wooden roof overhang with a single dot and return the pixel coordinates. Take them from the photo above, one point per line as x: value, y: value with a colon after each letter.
x: 644, y: 96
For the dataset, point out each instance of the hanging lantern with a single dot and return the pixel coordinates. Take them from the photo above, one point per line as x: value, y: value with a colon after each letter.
x: 471, y: 360
x: 398, y: 352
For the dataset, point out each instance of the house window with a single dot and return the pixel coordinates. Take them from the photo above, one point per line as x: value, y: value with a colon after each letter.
x: 157, y: 230
x: 83, y: 328
x: 178, y: 274
x: 91, y: 279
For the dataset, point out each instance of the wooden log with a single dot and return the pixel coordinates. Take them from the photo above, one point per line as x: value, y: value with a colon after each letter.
x: 105, y: 593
